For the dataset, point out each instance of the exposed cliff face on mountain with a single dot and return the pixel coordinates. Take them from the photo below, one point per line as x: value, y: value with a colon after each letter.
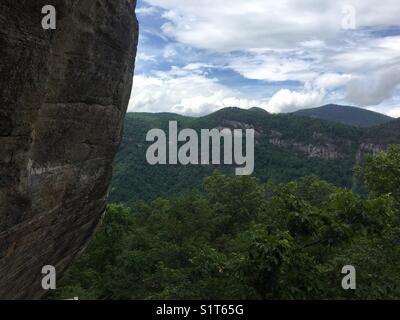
x: 323, y: 147
x: 378, y: 138
x: 63, y: 99
x: 311, y: 137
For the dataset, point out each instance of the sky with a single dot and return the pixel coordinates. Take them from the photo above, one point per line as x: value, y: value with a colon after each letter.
x: 198, y: 56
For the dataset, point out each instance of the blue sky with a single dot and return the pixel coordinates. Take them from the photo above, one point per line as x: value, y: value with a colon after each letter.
x: 197, y: 56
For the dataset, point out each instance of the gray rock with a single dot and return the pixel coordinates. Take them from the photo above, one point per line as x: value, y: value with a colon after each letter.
x: 63, y: 98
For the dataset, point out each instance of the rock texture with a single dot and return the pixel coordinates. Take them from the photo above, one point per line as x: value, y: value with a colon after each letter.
x: 63, y: 98
x: 326, y: 150
x: 378, y: 138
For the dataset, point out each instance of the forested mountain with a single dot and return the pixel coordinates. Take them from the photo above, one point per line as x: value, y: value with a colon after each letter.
x: 287, y: 147
x: 345, y: 114
x: 239, y: 237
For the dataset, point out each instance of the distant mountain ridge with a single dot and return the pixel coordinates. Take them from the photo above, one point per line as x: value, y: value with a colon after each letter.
x: 347, y: 115
x: 287, y: 147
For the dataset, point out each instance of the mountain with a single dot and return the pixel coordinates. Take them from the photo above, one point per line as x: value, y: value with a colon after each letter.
x: 287, y: 147
x: 346, y: 115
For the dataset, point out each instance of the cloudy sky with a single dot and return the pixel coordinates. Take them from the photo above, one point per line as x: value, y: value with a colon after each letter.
x: 197, y: 56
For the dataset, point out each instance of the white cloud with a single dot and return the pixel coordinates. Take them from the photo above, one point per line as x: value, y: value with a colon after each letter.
x: 368, y: 70
x: 142, y: 56
x: 272, y: 67
x: 169, y: 51
x: 185, y: 92
x: 313, y: 44
x: 366, y: 55
x: 332, y: 80
x: 146, y: 11
x: 242, y: 25
x: 395, y: 113
x: 289, y: 101
x: 373, y: 90
x: 273, y: 41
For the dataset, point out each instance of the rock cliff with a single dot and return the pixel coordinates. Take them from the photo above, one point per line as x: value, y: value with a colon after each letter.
x: 64, y: 95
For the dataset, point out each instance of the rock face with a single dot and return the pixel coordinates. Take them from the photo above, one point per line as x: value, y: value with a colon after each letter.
x: 64, y: 95
x: 327, y: 151
x: 322, y: 147
x: 367, y: 149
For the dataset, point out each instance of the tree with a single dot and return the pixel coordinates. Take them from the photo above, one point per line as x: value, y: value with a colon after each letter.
x: 241, y: 239
x: 381, y: 173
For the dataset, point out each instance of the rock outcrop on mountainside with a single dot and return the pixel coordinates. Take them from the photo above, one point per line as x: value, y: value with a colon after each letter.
x: 64, y: 95
x: 379, y: 138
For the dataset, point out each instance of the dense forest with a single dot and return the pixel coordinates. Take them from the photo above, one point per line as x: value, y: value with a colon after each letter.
x: 134, y: 179
x: 239, y: 238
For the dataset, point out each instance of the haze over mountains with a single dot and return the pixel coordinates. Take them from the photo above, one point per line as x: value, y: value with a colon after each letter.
x: 288, y: 146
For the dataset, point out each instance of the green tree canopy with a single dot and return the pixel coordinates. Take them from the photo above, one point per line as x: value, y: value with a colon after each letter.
x: 241, y: 239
